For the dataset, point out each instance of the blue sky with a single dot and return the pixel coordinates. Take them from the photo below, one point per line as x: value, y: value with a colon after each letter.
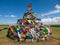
x: 11, y: 10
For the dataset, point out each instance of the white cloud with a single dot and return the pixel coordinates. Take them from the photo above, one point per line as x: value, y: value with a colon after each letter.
x: 57, y: 6
x: 53, y: 11
x: 55, y: 20
x: 12, y: 16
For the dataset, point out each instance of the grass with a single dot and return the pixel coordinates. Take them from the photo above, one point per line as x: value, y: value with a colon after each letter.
x: 54, y: 39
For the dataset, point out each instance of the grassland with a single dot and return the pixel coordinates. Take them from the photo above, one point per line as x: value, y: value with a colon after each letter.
x: 54, y: 39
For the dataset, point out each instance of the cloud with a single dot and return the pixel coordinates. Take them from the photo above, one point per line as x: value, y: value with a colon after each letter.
x: 55, y: 20
x: 12, y: 16
x: 57, y: 6
x: 53, y: 11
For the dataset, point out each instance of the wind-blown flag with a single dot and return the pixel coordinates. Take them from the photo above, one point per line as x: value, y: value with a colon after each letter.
x: 29, y: 7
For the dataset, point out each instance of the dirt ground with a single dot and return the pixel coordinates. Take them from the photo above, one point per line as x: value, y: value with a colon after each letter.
x: 53, y: 40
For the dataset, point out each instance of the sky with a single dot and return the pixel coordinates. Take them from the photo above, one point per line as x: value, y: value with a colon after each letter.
x: 12, y: 10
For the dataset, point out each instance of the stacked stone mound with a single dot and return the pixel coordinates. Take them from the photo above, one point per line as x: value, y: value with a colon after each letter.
x: 24, y: 26
x: 29, y: 27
